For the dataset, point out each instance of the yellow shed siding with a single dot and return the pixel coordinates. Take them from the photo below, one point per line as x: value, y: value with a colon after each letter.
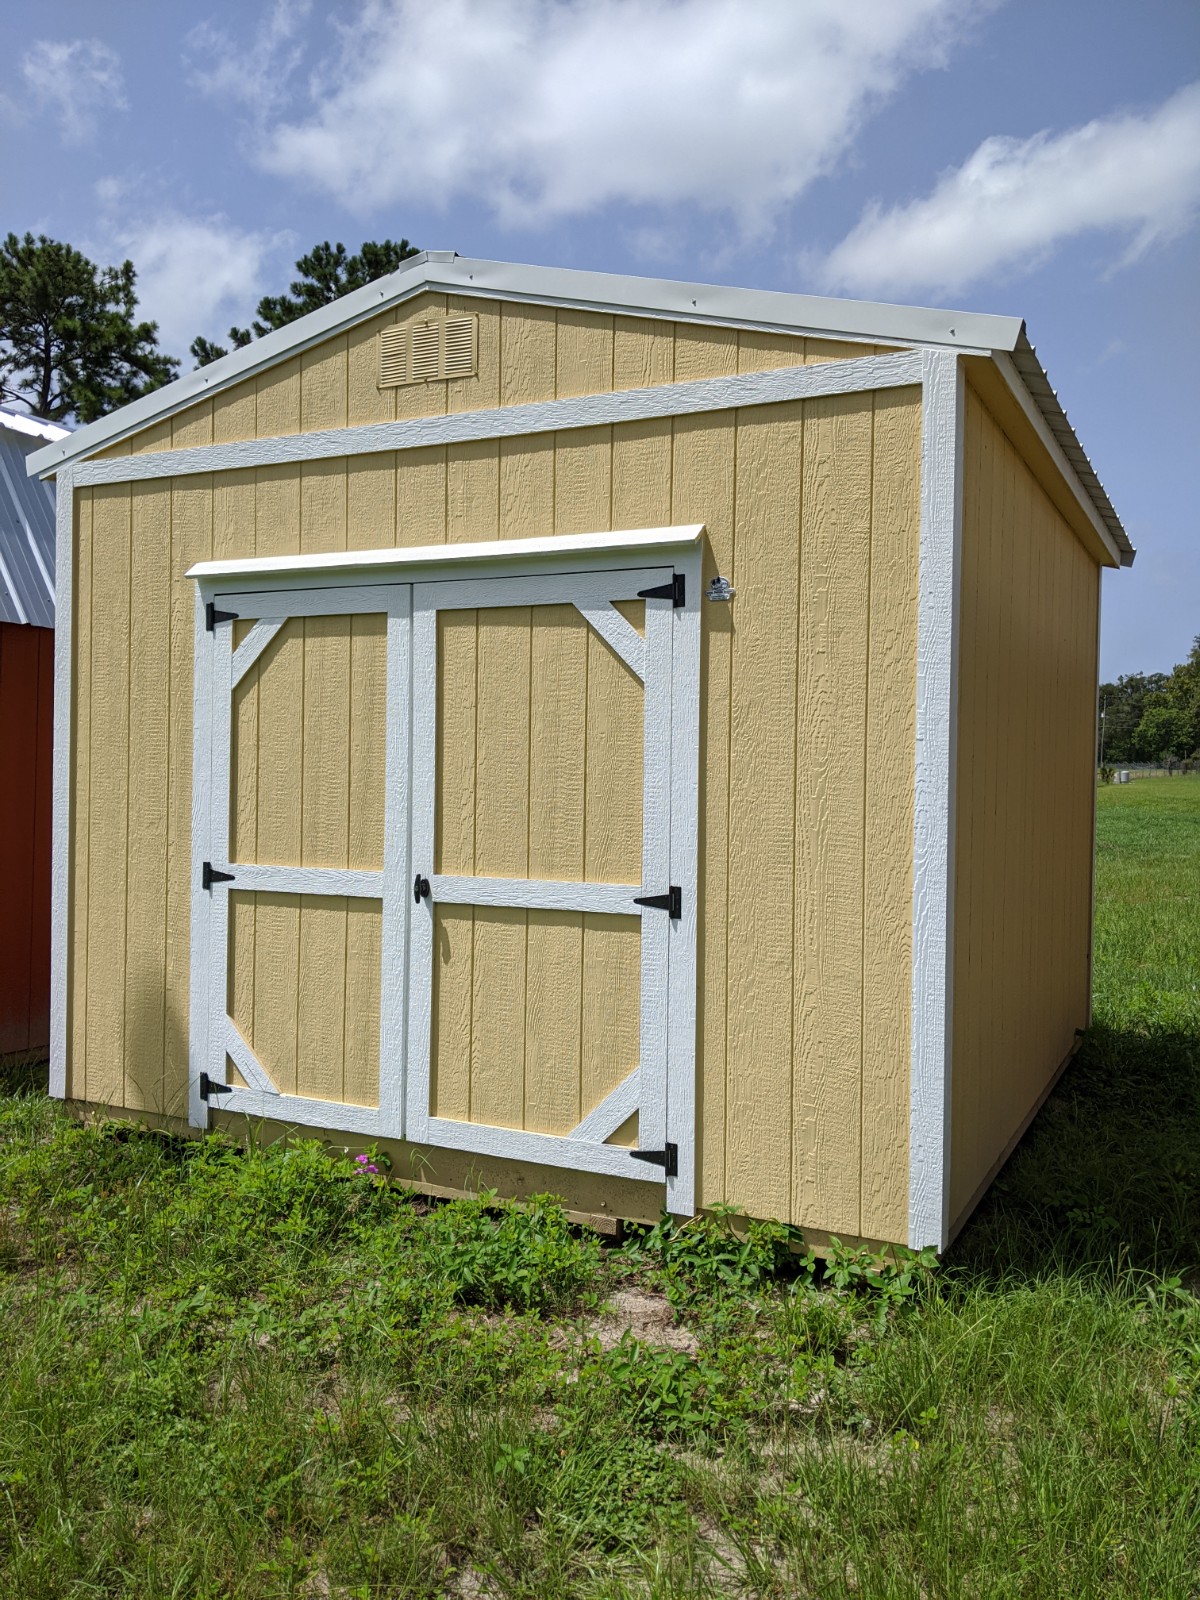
x: 807, y: 715
x: 526, y: 353
x: 1026, y: 751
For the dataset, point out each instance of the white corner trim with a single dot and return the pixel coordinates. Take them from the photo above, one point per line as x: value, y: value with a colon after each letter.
x: 408, y: 564
x: 935, y: 779
x: 1033, y: 415
x: 855, y: 376
x: 60, y: 828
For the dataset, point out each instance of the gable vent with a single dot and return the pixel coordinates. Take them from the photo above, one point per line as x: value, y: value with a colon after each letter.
x: 446, y: 348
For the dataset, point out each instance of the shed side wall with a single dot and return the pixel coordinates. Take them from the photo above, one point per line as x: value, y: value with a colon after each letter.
x: 807, y: 729
x: 1026, y: 779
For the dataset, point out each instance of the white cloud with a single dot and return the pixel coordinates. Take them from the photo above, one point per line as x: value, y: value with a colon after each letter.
x: 540, y: 109
x: 79, y: 80
x: 257, y: 75
x: 195, y: 274
x: 1015, y: 201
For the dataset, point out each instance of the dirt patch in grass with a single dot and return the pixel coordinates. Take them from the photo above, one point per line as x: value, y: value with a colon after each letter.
x: 645, y: 1315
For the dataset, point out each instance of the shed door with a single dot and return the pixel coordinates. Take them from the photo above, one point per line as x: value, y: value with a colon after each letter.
x: 302, y: 887
x: 543, y: 903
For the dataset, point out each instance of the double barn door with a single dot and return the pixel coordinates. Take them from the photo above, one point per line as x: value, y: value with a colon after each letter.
x: 445, y: 865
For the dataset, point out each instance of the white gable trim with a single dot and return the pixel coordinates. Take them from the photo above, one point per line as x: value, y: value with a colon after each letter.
x: 506, y: 422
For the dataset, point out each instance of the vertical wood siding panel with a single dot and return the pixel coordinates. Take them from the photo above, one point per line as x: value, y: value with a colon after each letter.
x: 704, y: 352
x: 81, y: 795
x: 146, y: 909
x: 762, y: 812
x: 643, y: 352
x: 583, y: 480
x: 831, y: 701
x: 501, y: 849
x: 277, y: 400
x: 324, y: 393
x: 365, y: 400
x: 371, y: 502
x: 641, y: 474
x: 888, y: 841
x: 482, y: 391
x: 193, y: 427
x: 109, y: 794
x: 325, y: 842
x: 702, y: 490
x: 364, y: 955
x: 611, y: 1005
x: 450, y: 1041
x: 367, y: 728
x: 528, y: 354
x: 526, y: 487
x: 421, y: 496
x: 584, y: 355
x: 760, y: 352
x: 557, y: 763
x: 613, y: 784
x: 454, y: 852
x: 473, y: 492
x: 818, y: 350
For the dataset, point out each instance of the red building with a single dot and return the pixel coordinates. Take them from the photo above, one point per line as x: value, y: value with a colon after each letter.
x: 26, y: 733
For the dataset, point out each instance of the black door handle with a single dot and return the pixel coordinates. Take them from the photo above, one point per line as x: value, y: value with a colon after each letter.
x: 420, y: 888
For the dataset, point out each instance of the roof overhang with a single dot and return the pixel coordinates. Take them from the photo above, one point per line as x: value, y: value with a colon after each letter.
x: 970, y: 332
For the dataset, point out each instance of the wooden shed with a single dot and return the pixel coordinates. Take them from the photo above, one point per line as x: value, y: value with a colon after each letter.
x: 591, y: 734
x: 26, y: 733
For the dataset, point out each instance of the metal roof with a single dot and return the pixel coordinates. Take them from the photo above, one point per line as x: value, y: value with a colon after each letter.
x: 770, y: 310
x: 26, y: 522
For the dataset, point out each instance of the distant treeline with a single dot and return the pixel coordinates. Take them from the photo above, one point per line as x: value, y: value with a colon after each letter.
x: 1153, y: 716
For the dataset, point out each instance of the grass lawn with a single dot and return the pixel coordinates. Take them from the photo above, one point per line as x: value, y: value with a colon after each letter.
x: 270, y: 1375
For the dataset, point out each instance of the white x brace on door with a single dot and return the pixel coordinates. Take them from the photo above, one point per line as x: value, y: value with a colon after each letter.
x: 403, y: 990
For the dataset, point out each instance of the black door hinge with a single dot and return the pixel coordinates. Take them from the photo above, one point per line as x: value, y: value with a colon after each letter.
x: 673, y: 591
x: 209, y: 1087
x: 212, y: 616
x: 209, y: 875
x: 666, y: 1158
x: 671, y: 902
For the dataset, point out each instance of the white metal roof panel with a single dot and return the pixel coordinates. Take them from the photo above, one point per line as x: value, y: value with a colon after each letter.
x: 26, y: 523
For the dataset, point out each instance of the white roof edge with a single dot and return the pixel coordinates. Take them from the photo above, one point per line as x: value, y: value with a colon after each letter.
x: 436, y: 555
x: 766, y: 309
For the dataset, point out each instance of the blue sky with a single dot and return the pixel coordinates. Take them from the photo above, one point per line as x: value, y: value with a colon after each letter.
x: 1023, y: 157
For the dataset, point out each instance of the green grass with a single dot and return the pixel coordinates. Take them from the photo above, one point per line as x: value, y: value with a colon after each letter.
x: 268, y: 1374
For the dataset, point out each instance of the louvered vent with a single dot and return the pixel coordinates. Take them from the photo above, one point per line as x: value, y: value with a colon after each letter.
x: 447, y: 348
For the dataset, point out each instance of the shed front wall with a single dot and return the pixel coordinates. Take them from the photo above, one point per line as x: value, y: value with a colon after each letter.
x: 1026, y: 799
x: 807, y: 716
